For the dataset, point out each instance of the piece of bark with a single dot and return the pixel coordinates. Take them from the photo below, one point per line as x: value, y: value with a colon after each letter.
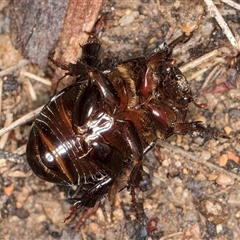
x: 80, y: 18
x: 36, y: 27
x: 40, y: 27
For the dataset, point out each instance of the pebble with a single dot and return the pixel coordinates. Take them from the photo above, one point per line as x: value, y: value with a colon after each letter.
x: 172, y: 207
x: 185, y: 171
x: 94, y: 227
x: 118, y: 214
x: 227, y: 130
x: 234, y: 197
x: 213, y: 208
x: 201, y: 177
x: 166, y: 163
x: 224, y: 180
x: 231, y: 155
x: 179, y: 190
x: 191, y: 216
x: 54, y: 212
x: 127, y: 19
x: 219, y: 228
x: 178, y: 164
x: 237, y: 215
x: 223, y: 160
x: 8, y: 190
x: 205, y: 155
x: 212, y: 177
x: 195, y: 231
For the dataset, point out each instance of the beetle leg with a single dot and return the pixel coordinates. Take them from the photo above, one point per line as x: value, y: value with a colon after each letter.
x: 87, y: 214
x: 163, y: 114
x: 108, y: 92
x: 131, y: 136
x: 188, y: 128
x: 147, y: 84
x: 133, y: 183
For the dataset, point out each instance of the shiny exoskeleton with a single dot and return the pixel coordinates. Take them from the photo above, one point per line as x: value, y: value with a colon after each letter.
x: 107, y: 120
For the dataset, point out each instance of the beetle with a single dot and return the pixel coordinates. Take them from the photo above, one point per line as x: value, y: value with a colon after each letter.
x: 92, y: 130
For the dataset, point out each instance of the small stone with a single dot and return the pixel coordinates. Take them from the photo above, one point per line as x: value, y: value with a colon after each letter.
x: 8, y: 190
x: 191, y: 216
x: 54, y: 212
x: 237, y: 215
x: 165, y: 163
x: 212, y: 177
x: 224, y: 180
x: 172, y: 207
x: 201, y: 177
x: 213, y: 208
x: 231, y: 155
x: 223, y: 160
x: 205, y: 155
x: 178, y: 164
x: 118, y: 214
x: 227, y: 130
x: 219, y: 228
x: 94, y: 227
x: 179, y: 190
x: 127, y: 19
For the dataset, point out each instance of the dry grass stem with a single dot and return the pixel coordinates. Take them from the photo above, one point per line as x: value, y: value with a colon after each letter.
x: 21, y: 150
x: 226, y: 30
x: 26, y: 118
x: 31, y: 90
x: 172, y: 235
x: 212, y: 75
x: 232, y: 4
x: 36, y: 78
x: 1, y: 85
x: 9, y: 70
x: 4, y: 138
x: 200, y: 60
x: 196, y: 74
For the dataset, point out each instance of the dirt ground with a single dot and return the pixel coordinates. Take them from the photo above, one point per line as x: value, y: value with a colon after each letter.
x: 194, y: 187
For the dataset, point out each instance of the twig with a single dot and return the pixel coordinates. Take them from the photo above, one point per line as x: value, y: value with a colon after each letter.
x: 31, y: 90
x: 26, y: 118
x: 197, y: 159
x: 232, y: 4
x: 9, y: 70
x: 4, y: 138
x: 171, y: 235
x: 36, y: 78
x: 1, y: 85
x: 212, y: 75
x: 199, y: 60
x: 196, y: 74
x: 226, y: 30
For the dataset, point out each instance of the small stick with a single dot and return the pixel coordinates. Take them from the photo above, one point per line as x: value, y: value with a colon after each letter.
x: 199, y: 60
x: 26, y: 118
x: 232, y: 4
x: 36, y: 78
x: 211, y: 76
x: 4, y: 138
x: 213, y: 11
x: 1, y: 85
x: 9, y: 70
